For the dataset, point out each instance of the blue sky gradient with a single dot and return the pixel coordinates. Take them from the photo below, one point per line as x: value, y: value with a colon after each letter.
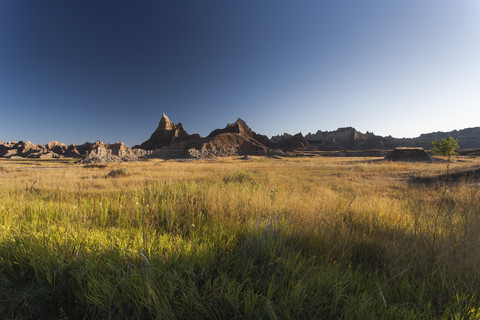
x: 76, y: 71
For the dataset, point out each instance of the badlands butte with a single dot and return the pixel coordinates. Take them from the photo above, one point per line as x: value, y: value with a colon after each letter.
x: 172, y: 141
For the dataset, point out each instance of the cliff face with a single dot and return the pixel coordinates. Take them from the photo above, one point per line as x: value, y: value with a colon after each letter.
x: 170, y: 140
x: 288, y: 142
x: 89, y: 152
x: 165, y: 133
x: 115, y: 152
x: 468, y: 138
x: 236, y: 138
x: 349, y: 138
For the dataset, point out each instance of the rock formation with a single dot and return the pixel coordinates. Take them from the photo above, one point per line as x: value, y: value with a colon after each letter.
x: 468, y: 138
x: 89, y: 152
x: 235, y: 139
x: 409, y: 154
x: 166, y: 133
x: 287, y: 142
x: 172, y: 141
x: 57, y: 147
x: 116, y: 152
x: 349, y: 138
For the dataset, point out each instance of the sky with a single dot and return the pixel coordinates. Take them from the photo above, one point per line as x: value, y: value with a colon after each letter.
x: 76, y: 71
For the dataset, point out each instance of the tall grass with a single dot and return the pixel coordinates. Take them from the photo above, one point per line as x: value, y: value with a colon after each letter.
x: 315, y: 238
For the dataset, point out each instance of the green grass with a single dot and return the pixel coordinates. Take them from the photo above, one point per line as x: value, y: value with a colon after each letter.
x: 292, y: 239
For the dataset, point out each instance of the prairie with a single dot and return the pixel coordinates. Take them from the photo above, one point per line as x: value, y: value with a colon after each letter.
x: 292, y: 238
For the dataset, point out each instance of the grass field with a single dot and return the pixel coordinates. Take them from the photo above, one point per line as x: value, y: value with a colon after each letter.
x: 297, y: 238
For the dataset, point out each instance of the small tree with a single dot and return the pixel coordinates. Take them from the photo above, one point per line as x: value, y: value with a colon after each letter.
x: 445, y: 147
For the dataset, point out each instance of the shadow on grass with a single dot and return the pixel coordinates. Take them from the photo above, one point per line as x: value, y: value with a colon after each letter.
x: 464, y: 176
x: 270, y: 272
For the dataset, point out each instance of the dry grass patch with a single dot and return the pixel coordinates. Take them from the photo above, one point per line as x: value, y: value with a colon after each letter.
x: 298, y: 237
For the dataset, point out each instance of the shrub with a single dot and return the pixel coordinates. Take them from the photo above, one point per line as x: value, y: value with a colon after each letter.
x: 117, y: 173
x: 240, y: 177
x: 95, y: 165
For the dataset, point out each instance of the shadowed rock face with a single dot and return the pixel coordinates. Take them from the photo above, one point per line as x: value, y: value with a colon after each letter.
x: 349, y: 138
x: 170, y: 140
x: 409, y: 154
x: 287, y: 142
x: 235, y: 139
x: 164, y: 134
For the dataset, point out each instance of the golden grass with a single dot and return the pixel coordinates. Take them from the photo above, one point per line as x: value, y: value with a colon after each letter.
x: 349, y: 211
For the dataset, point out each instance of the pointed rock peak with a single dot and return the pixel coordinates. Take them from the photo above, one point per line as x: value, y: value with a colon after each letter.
x: 179, y: 131
x: 241, y: 123
x: 166, y: 123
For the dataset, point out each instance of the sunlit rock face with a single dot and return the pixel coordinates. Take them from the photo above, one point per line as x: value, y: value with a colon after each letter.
x: 170, y: 140
x: 164, y: 134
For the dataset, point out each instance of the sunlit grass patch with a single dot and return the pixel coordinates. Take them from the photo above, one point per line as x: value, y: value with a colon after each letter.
x: 299, y: 238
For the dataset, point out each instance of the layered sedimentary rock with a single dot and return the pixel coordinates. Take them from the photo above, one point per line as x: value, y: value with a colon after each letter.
x: 89, y: 152
x: 349, y: 138
x: 288, y: 142
x: 167, y: 133
x: 170, y: 140
x: 116, y: 152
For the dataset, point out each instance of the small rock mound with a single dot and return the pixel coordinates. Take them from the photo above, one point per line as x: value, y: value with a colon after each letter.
x: 409, y: 155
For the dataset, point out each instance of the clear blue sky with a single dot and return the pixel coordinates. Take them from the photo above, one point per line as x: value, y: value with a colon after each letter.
x: 77, y: 71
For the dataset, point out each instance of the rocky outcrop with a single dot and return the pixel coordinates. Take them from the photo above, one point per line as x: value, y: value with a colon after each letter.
x: 166, y: 133
x: 57, y: 147
x: 116, y: 152
x: 235, y: 139
x: 172, y: 141
x: 21, y: 149
x: 287, y: 142
x: 409, y: 155
x: 349, y: 138
x: 6, y: 149
x: 468, y: 138
x: 89, y: 152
